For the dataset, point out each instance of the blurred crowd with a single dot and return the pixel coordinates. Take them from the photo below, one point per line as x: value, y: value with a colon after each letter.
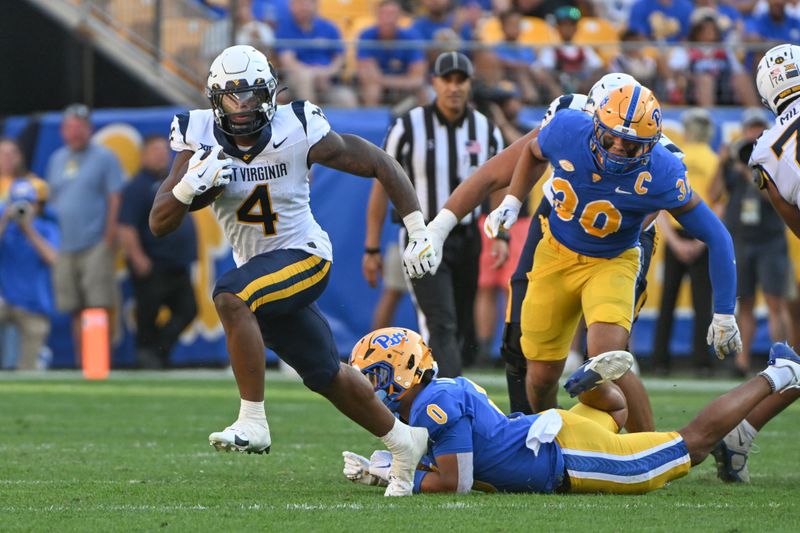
x: 374, y: 52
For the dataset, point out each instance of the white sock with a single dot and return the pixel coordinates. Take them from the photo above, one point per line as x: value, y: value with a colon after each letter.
x: 252, y: 412
x: 747, y: 430
x: 397, y: 436
x: 778, y: 376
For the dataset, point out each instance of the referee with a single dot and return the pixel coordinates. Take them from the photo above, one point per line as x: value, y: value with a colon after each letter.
x: 439, y: 145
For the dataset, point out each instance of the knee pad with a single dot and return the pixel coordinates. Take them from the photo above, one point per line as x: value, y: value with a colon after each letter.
x: 511, y: 349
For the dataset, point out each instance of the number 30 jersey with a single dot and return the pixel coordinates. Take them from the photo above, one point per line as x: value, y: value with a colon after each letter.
x: 597, y: 213
x: 266, y: 206
x: 777, y: 154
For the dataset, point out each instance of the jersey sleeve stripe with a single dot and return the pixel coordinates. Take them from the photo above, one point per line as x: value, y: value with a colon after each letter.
x: 299, y: 108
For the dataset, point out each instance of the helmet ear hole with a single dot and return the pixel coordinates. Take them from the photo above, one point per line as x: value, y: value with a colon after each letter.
x: 411, y: 362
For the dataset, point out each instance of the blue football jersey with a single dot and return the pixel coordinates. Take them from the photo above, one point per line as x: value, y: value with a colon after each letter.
x: 460, y: 418
x: 597, y: 213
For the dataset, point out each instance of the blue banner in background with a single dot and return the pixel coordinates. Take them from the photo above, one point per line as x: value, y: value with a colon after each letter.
x: 339, y: 203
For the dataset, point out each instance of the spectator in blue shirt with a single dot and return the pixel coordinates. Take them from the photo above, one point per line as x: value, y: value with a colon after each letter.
x: 388, y: 73
x: 440, y: 15
x: 159, y: 267
x: 775, y: 25
x: 661, y: 20
x: 516, y: 60
x: 313, y: 67
x: 29, y: 240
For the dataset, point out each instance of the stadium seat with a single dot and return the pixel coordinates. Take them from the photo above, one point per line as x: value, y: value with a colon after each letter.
x: 534, y: 31
x: 133, y: 17
x: 344, y: 12
x: 592, y: 30
x: 358, y: 25
x: 181, y: 39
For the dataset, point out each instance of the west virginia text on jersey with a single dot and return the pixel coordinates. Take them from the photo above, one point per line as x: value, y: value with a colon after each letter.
x: 598, y: 213
x: 266, y: 205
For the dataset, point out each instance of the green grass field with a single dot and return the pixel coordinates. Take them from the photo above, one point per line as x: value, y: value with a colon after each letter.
x: 131, y: 454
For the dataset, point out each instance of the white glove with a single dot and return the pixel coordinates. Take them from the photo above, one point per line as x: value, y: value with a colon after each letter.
x: 723, y: 335
x: 380, y: 463
x: 419, y: 257
x: 438, y: 230
x: 356, y: 469
x: 205, y: 171
x: 505, y: 214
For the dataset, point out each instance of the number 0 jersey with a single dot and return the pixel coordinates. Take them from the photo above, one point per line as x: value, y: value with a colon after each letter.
x: 777, y: 153
x: 461, y: 419
x: 266, y: 206
x: 597, y: 213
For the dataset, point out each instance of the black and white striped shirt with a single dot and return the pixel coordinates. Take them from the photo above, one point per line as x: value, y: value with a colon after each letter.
x: 437, y: 156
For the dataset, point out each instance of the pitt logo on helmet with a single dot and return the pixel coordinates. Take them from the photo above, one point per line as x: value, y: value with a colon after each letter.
x: 394, y: 360
x: 631, y: 115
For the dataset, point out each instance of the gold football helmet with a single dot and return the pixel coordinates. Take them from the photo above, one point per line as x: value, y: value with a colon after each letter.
x: 633, y: 114
x: 394, y: 360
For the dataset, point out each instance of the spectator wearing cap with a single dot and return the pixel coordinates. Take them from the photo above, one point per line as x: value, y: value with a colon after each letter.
x: 685, y: 255
x: 711, y: 72
x: 576, y: 67
x: 390, y: 66
x: 439, y: 145
x: 160, y: 268
x: 85, y: 182
x: 759, y: 238
x: 29, y: 240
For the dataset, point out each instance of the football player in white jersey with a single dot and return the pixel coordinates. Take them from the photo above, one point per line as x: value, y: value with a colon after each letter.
x: 495, y: 174
x: 282, y: 255
x: 776, y: 170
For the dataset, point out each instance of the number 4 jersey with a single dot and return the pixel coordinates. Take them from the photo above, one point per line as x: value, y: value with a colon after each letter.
x: 266, y: 206
x: 777, y: 154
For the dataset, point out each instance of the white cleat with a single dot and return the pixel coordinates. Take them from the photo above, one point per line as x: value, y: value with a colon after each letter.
x: 607, y: 366
x: 405, y: 461
x: 249, y: 437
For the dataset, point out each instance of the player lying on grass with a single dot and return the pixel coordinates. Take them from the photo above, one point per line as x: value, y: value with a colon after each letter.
x: 473, y: 444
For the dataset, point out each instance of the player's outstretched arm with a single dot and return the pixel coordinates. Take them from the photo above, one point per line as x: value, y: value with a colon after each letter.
x: 698, y: 219
x: 167, y: 212
x: 352, y: 154
x: 493, y: 175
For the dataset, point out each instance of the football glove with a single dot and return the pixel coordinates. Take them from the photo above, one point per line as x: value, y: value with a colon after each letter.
x: 357, y: 470
x: 760, y: 177
x: 438, y: 229
x: 419, y: 256
x: 723, y: 335
x: 505, y: 215
x: 205, y: 171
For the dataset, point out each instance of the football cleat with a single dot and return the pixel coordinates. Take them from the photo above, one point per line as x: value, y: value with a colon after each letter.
x: 405, y: 461
x: 599, y: 369
x: 784, y: 360
x: 242, y: 437
x: 731, y: 457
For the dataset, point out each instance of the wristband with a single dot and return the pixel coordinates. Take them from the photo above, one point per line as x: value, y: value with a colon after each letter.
x: 183, y: 192
x: 503, y: 234
x: 372, y: 251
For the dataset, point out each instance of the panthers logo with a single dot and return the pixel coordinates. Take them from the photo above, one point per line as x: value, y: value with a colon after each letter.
x: 657, y: 116
x: 385, y: 341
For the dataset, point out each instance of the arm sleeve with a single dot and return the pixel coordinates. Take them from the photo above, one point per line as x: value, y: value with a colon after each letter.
x: 703, y: 224
x: 115, y: 176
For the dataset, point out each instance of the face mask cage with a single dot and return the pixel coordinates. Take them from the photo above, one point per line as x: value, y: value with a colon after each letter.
x: 381, y: 376
x: 615, y: 163
x: 244, y: 109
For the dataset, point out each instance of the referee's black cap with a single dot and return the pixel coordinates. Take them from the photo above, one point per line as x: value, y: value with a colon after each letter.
x: 452, y: 62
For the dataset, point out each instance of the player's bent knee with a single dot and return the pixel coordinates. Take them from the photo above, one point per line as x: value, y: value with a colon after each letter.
x: 228, y: 304
x: 320, y: 380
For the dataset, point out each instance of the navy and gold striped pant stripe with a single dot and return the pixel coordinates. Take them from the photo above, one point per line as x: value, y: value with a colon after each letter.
x: 281, y: 288
x: 277, y: 282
